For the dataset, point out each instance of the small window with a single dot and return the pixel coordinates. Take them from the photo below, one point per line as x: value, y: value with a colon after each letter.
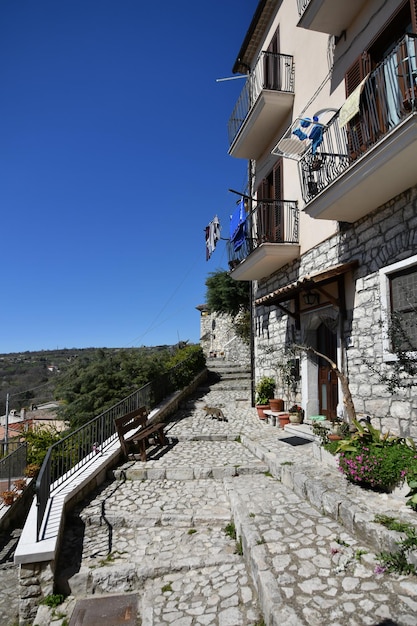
x: 398, y: 283
x: 403, y: 294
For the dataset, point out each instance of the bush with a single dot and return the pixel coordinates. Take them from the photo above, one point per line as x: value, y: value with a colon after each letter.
x: 265, y: 390
x: 378, y: 468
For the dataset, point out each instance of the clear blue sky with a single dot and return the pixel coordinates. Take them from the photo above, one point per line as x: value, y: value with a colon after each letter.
x: 113, y: 159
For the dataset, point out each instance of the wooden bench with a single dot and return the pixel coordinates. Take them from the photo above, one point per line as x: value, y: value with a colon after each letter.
x: 134, y: 431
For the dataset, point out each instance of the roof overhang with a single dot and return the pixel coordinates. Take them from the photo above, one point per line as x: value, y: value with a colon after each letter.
x: 307, y: 283
x: 254, y: 36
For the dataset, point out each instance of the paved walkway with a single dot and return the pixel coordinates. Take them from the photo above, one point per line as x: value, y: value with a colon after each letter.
x: 235, y: 524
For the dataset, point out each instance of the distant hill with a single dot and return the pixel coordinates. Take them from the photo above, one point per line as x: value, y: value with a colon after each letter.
x: 30, y: 377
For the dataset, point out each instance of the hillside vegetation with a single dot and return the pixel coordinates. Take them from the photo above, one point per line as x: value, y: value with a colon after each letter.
x: 86, y: 381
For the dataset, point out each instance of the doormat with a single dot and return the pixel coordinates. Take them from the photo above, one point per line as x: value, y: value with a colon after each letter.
x: 108, y: 610
x: 296, y: 441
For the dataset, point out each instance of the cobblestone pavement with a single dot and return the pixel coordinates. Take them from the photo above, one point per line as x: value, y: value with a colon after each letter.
x: 235, y: 524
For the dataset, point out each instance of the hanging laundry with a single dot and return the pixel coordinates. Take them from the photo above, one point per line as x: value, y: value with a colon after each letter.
x: 316, y: 133
x: 238, y: 226
x: 212, y: 235
x: 316, y: 136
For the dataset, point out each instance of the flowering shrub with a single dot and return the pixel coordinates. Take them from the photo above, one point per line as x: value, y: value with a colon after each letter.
x: 380, y: 468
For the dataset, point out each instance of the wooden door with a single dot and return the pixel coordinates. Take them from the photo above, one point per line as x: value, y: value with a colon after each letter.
x: 327, y: 379
x: 270, y: 214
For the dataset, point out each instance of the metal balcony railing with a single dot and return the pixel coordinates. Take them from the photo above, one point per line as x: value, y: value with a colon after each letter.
x: 389, y: 96
x: 272, y: 71
x: 302, y: 5
x: 271, y: 221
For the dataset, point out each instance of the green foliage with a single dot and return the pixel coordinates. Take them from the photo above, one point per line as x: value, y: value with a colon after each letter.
x: 102, y: 378
x: 53, y: 600
x: 398, y: 561
x: 225, y: 295
x: 377, y: 460
x: 39, y: 440
x: 321, y: 432
x: 265, y: 390
x: 412, y: 484
x: 230, y: 530
x: 188, y: 361
x: 401, y: 373
x: 95, y: 382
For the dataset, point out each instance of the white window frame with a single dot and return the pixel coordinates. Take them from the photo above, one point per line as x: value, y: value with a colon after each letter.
x: 384, y: 285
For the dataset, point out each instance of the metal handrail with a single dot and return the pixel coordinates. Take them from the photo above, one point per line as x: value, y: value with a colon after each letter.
x: 389, y: 96
x: 273, y: 71
x: 13, y: 465
x: 271, y: 221
x: 65, y: 457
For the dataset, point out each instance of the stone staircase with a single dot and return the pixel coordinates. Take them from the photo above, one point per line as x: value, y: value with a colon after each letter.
x: 230, y: 376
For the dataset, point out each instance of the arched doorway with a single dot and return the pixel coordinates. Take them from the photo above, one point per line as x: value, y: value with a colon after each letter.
x: 327, y: 379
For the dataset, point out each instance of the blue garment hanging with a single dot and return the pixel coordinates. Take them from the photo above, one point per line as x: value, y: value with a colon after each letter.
x: 238, y: 225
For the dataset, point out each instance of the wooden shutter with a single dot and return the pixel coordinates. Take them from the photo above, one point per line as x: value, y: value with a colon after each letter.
x: 355, y: 131
x: 278, y: 226
x: 413, y: 10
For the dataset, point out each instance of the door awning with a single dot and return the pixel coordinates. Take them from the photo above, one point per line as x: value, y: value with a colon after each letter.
x: 308, y: 282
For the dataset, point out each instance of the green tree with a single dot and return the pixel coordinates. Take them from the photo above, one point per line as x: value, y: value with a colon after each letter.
x: 230, y: 297
x: 97, y: 381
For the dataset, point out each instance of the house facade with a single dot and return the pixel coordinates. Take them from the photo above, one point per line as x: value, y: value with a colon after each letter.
x: 327, y: 120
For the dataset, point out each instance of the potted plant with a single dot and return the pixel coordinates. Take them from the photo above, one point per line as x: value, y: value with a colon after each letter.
x: 264, y: 391
x: 8, y: 497
x: 296, y: 414
x: 276, y: 404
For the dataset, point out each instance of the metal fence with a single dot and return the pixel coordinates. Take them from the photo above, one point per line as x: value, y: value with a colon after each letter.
x: 13, y: 465
x: 272, y: 71
x: 69, y: 454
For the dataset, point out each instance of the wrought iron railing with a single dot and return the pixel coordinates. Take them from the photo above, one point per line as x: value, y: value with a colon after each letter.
x: 302, y: 5
x: 13, y: 465
x: 389, y: 96
x: 272, y: 71
x: 271, y: 221
x: 79, y: 447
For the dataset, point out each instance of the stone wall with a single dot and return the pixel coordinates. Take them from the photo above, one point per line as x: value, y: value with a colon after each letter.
x: 384, y: 237
x: 218, y: 338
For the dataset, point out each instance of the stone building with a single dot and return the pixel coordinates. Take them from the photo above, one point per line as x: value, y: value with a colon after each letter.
x: 328, y: 122
x: 218, y: 338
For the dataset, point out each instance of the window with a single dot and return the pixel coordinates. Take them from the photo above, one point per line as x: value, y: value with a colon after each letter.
x: 403, y: 291
x: 399, y: 306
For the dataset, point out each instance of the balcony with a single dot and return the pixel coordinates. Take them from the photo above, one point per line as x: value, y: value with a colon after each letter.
x: 328, y: 16
x: 270, y: 240
x: 263, y: 104
x: 362, y: 163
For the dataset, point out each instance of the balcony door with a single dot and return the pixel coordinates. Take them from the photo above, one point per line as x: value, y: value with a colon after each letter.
x: 327, y: 379
x: 272, y: 69
x: 270, y: 214
x: 390, y: 93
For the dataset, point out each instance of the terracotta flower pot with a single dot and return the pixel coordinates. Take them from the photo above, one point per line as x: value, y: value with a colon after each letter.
x: 261, y: 408
x: 334, y: 437
x: 276, y: 404
x: 284, y: 419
